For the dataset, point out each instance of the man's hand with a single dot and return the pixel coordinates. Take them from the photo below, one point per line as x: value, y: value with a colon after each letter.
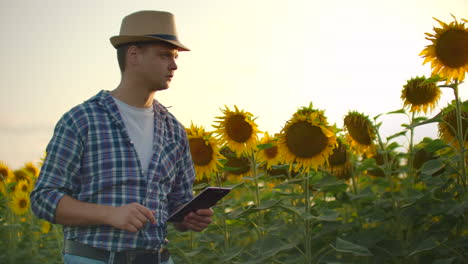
x: 130, y: 217
x: 196, y: 221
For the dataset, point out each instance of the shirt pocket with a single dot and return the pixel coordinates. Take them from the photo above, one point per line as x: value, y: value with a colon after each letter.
x: 166, y: 168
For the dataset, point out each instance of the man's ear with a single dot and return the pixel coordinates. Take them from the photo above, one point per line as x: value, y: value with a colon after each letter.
x: 132, y: 55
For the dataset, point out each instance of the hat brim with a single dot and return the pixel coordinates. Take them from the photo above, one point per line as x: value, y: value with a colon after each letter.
x: 116, y: 41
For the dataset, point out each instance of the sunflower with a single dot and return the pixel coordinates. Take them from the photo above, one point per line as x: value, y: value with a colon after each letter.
x: 237, y: 130
x: 448, y: 53
x: 306, y: 139
x: 361, y: 133
x: 269, y: 156
x: 6, y: 176
x: 421, y: 97
x: 448, y: 126
x: 339, y: 163
x: 22, y: 174
x: 32, y: 169
x: 236, y: 167
x: 204, y: 150
x: 19, y: 203
x: 23, y: 187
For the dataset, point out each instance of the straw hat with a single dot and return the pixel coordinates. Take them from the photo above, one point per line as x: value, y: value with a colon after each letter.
x: 144, y: 26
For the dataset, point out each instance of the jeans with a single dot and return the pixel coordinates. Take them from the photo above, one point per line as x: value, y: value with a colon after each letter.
x: 73, y: 259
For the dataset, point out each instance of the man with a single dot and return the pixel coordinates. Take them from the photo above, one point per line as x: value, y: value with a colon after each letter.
x: 119, y: 164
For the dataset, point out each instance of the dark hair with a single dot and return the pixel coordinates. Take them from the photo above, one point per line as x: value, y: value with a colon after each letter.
x: 122, y: 51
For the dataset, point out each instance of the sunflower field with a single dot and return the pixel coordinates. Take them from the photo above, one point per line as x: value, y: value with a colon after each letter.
x: 314, y: 192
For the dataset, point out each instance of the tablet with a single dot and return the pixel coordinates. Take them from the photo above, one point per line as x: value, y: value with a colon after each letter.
x: 206, y: 199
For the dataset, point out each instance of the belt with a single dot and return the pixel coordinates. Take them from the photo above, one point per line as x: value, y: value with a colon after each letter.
x: 122, y: 257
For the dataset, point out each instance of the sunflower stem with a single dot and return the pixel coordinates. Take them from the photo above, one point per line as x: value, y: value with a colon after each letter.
x: 410, y: 152
x: 292, y: 200
x: 387, y: 168
x: 308, y: 254
x: 257, y: 191
x: 223, y: 219
x: 460, y: 136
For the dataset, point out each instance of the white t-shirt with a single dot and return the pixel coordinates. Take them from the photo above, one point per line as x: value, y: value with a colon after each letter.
x: 140, y: 126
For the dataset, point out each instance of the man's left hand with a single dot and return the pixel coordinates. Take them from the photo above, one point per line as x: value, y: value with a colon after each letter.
x: 199, y: 220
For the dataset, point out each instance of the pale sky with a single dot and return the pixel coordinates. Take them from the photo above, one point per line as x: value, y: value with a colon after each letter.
x: 267, y: 57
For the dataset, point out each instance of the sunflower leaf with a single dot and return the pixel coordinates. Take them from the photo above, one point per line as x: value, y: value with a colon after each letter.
x: 433, y: 79
x: 265, y: 146
x: 435, y: 145
x: 432, y: 166
x: 291, y: 209
x: 435, y: 119
x: 402, y: 133
x: 425, y: 245
x: 342, y: 245
x: 400, y: 111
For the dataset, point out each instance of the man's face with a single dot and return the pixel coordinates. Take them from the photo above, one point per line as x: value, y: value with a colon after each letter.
x: 157, y: 64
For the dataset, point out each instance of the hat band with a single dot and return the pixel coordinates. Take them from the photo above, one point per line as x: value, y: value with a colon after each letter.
x: 166, y: 37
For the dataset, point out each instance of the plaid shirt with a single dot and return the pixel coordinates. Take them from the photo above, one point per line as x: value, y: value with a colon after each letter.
x: 92, y: 158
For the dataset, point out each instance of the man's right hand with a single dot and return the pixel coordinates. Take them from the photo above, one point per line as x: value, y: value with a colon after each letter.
x: 130, y: 217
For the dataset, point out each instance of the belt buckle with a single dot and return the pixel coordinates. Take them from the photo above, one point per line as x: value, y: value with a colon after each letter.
x: 141, y: 257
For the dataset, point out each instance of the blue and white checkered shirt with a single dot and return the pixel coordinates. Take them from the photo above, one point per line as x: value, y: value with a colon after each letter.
x: 92, y: 158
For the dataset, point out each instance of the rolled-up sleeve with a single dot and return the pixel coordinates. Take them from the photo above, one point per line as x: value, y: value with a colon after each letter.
x: 60, y: 166
x: 181, y: 192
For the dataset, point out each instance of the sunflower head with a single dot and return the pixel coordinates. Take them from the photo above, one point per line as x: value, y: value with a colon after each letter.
x: 32, y: 169
x: 22, y: 174
x: 6, y: 177
x: 205, y: 152
x: 307, y: 140
x: 269, y: 155
x: 339, y: 163
x: 235, y: 166
x: 6, y: 174
x: 361, y: 133
x: 448, y: 126
x: 419, y: 95
x: 23, y: 187
x: 237, y: 130
x: 19, y: 203
x: 448, y: 52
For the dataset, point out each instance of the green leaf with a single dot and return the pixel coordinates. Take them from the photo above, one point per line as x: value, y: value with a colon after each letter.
x: 459, y: 209
x: 240, y: 212
x: 267, y: 204
x: 271, y: 246
x: 435, y: 119
x: 433, y: 79
x: 328, y: 215
x: 402, y: 133
x: 342, y: 245
x: 435, y: 145
x: 400, y: 111
x: 291, y: 209
x: 432, y: 166
x: 231, y: 253
x: 265, y: 146
x: 377, y: 116
x: 331, y: 184
x: 464, y: 107
x: 425, y: 245
x: 419, y: 119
